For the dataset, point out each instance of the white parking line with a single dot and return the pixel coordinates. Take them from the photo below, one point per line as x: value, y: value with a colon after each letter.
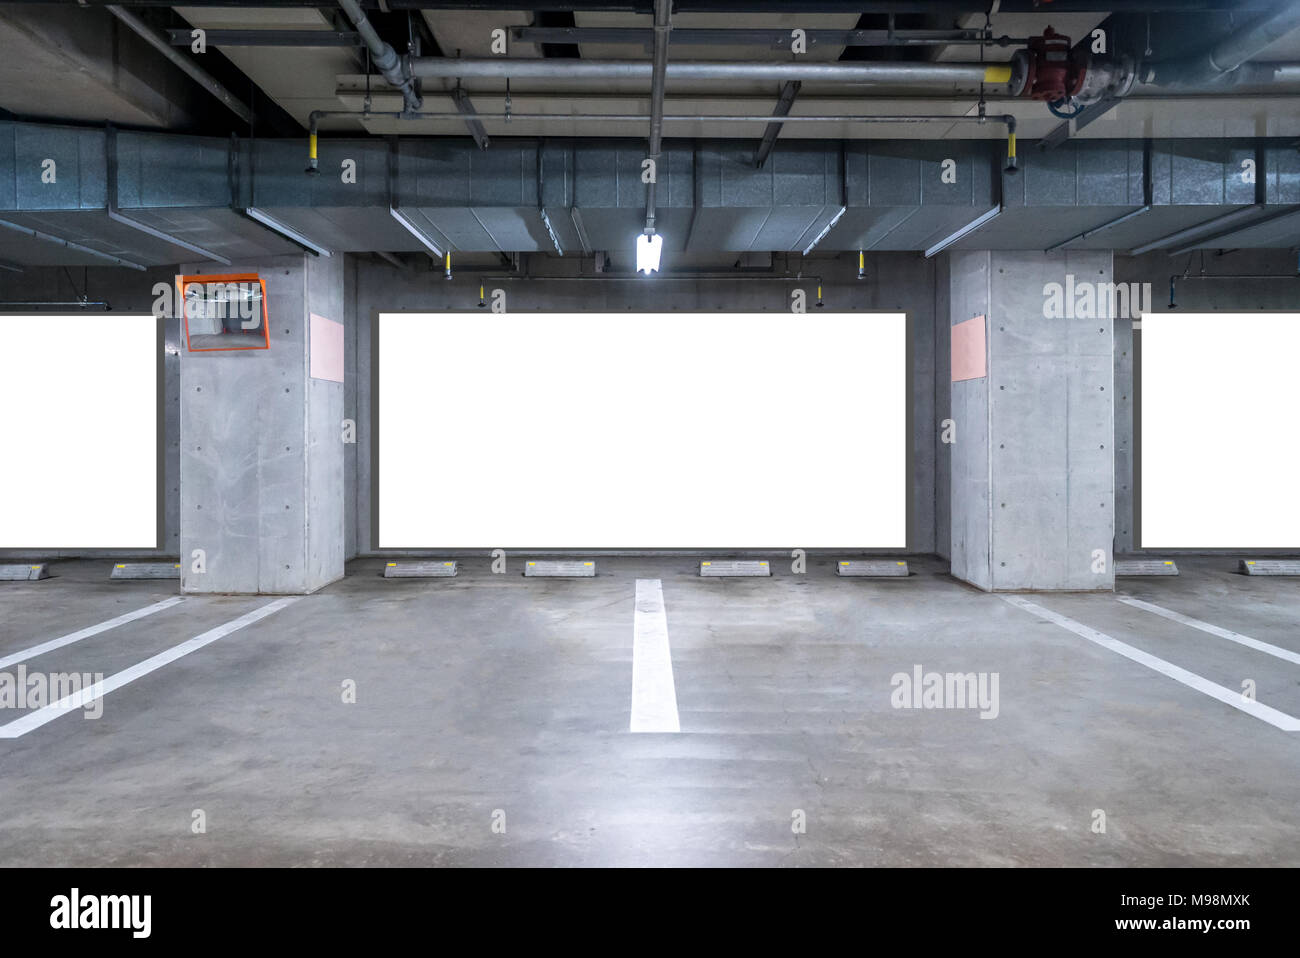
x: 1256, y: 644
x: 1227, y: 696
x: 654, y: 697
x: 35, y: 719
x: 87, y: 632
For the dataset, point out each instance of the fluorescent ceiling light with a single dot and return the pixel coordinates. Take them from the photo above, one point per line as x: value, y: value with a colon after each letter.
x: 649, y: 246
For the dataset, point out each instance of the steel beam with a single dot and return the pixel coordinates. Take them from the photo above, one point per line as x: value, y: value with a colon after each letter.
x: 183, y: 37
x: 465, y: 107
x: 784, y: 101
x: 191, y: 69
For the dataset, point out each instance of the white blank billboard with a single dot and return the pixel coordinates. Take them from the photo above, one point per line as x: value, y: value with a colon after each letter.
x: 642, y: 430
x: 80, y: 400
x: 1219, y: 461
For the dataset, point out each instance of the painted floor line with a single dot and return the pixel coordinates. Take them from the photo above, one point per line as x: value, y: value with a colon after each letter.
x: 1256, y: 644
x: 64, y: 706
x: 87, y: 632
x: 1201, y: 684
x: 654, y: 696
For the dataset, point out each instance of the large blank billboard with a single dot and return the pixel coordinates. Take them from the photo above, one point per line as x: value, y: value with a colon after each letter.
x: 1218, y: 459
x: 641, y: 430
x: 80, y: 395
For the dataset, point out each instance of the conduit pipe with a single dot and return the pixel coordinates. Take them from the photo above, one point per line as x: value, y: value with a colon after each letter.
x: 1229, y: 53
x: 874, y: 73
x: 393, y: 68
x: 660, y: 68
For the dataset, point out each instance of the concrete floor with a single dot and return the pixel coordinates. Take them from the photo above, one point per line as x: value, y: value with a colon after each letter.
x: 498, y: 692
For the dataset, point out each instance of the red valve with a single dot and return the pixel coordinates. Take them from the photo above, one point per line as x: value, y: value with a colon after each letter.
x: 1055, y: 72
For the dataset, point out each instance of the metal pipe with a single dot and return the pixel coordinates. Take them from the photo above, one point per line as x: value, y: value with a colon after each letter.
x: 663, y: 25
x: 907, y: 73
x: 760, y: 37
x: 192, y: 69
x: 1230, y: 52
x: 1007, y: 119
x: 1267, y: 76
x: 383, y: 55
x: 80, y: 304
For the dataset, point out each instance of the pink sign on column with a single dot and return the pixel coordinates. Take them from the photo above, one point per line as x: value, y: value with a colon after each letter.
x: 326, y: 349
x: 968, y: 350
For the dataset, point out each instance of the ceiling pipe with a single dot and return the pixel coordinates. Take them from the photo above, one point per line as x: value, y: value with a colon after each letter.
x: 195, y: 72
x: 761, y: 37
x: 663, y: 26
x: 394, y: 69
x: 1229, y: 53
x: 884, y: 73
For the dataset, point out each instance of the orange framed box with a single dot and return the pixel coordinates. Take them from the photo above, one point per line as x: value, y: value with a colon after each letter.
x: 184, y: 282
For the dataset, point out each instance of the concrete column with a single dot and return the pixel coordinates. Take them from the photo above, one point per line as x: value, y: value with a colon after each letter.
x: 1032, y: 468
x: 262, y: 456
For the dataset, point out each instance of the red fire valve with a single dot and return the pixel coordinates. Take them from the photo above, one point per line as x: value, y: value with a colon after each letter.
x: 1055, y: 71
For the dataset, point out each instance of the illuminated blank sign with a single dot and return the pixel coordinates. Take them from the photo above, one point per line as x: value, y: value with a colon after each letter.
x: 80, y: 395
x: 1219, y: 463
x: 640, y: 430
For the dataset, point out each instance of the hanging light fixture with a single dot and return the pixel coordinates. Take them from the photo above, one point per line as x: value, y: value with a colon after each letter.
x: 649, y: 247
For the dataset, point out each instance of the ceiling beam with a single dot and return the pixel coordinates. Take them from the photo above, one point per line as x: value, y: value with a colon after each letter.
x: 789, y: 91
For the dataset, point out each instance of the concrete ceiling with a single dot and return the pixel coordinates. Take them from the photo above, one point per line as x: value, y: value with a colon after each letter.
x: 305, y: 79
x: 299, y: 79
x: 76, y: 65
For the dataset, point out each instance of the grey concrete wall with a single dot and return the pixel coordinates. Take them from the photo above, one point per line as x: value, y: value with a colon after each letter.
x: 1051, y: 393
x: 894, y: 281
x: 325, y: 470
x: 969, y: 547
x: 943, y: 451
x: 125, y: 291
x: 1208, y: 282
x: 261, y: 452
x: 1032, y: 469
x: 351, y: 323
